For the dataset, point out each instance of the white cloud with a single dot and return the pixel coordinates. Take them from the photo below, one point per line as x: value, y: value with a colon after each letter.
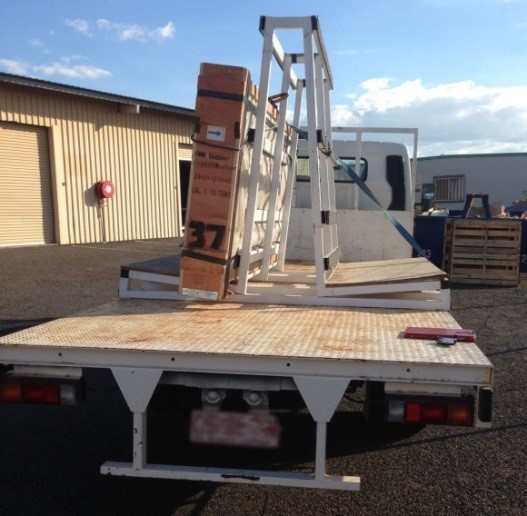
x: 166, y: 32
x: 72, y: 72
x: 451, y: 117
x: 127, y: 32
x: 123, y: 31
x: 37, y: 43
x: 72, y: 59
x: 15, y: 67
x: 79, y: 25
x: 64, y: 68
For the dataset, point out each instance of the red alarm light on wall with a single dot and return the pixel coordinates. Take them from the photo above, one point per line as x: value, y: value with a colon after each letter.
x: 105, y: 189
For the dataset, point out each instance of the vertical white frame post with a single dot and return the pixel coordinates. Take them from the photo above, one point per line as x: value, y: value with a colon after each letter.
x: 323, y: 165
x: 254, y: 176
x: 317, y: 83
x: 314, y: 171
x: 288, y: 200
x: 277, y: 170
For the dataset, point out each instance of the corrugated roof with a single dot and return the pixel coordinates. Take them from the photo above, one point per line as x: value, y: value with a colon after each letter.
x: 93, y: 94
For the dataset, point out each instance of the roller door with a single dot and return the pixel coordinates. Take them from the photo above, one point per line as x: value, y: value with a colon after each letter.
x: 26, y: 200
x: 185, y: 152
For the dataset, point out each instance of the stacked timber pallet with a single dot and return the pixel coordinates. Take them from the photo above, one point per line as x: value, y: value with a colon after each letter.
x: 484, y: 251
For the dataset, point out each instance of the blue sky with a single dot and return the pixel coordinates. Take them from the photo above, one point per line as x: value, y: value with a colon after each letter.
x: 455, y: 69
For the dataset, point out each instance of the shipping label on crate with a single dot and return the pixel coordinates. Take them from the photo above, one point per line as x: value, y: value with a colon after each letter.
x: 212, y: 192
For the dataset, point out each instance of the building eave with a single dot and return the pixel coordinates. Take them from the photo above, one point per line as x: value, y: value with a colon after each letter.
x: 41, y: 84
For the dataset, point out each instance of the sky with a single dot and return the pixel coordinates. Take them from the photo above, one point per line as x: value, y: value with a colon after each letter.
x: 454, y: 69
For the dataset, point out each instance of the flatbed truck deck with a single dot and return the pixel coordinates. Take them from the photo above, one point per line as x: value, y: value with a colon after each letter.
x: 293, y: 339
x: 317, y: 350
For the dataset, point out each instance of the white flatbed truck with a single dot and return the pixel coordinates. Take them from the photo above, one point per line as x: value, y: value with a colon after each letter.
x: 286, y: 329
x: 318, y: 350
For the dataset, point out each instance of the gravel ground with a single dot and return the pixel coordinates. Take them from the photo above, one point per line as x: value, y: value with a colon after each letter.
x: 50, y: 457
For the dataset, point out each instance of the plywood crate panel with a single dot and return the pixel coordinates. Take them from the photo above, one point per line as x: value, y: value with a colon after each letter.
x: 222, y: 156
x: 220, y: 112
x: 482, y: 251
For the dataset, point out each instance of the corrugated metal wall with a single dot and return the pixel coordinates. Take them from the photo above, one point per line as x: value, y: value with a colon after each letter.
x: 90, y: 140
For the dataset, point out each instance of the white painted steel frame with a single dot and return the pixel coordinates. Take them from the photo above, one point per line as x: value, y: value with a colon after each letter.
x: 280, y: 290
x: 269, y: 51
x: 138, y: 373
x: 281, y: 294
x: 316, y: 83
x: 276, y: 171
x: 433, y: 300
x: 283, y: 366
x: 238, y: 476
x: 359, y: 131
x: 288, y: 198
x: 321, y: 395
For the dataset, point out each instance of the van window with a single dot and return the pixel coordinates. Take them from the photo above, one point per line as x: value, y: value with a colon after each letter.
x: 341, y: 174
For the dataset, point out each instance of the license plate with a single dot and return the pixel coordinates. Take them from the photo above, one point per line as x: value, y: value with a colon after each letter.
x: 244, y: 429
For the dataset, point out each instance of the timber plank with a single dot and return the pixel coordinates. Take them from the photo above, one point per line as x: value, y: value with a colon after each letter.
x: 385, y: 271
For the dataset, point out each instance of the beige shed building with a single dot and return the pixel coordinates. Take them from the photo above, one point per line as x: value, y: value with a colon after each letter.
x: 57, y: 142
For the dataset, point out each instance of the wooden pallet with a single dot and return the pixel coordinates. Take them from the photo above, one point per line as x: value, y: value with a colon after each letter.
x: 482, y: 251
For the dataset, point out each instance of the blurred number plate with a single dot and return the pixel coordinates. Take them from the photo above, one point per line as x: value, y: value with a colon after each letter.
x: 251, y: 430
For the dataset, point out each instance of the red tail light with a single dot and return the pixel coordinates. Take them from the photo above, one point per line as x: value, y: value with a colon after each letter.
x: 443, y: 411
x: 413, y: 413
x: 434, y: 413
x: 49, y: 392
x: 35, y: 393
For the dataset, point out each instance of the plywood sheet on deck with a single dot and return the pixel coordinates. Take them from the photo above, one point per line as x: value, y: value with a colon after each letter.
x: 385, y: 271
x: 168, y: 265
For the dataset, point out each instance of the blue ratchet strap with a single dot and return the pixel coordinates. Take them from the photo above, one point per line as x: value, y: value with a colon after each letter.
x: 398, y: 226
x: 362, y: 185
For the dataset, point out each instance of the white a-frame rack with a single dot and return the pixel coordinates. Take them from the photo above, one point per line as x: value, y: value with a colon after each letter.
x: 316, y: 84
x: 263, y: 276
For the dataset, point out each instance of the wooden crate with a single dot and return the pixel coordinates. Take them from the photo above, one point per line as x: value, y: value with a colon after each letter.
x: 225, y: 111
x: 482, y: 251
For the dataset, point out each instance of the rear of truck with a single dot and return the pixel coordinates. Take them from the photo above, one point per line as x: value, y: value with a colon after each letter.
x: 257, y: 355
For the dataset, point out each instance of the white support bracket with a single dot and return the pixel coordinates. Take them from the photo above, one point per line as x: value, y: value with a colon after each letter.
x: 322, y: 396
x: 137, y: 387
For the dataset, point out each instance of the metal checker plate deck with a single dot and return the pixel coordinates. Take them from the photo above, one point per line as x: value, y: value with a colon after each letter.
x: 252, y: 330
